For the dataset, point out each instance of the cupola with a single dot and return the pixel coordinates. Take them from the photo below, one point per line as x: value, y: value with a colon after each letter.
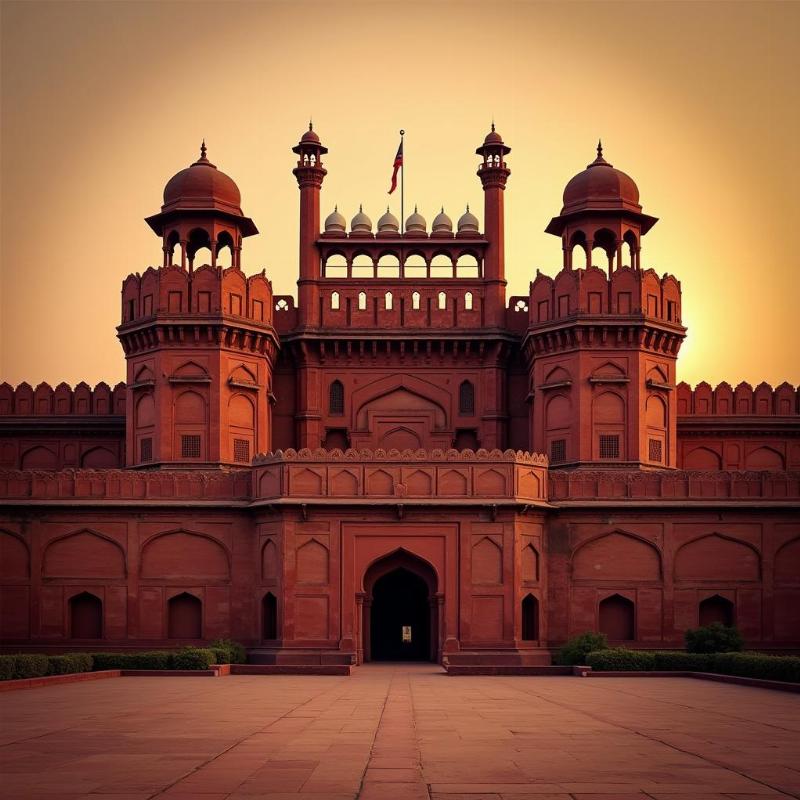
x: 388, y: 223
x: 335, y: 222
x: 468, y: 223
x: 361, y: 223
x: 442, y: 224
x: 416, y: 223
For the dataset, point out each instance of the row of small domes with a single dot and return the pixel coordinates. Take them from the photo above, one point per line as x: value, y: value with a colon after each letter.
x: 388, y: 223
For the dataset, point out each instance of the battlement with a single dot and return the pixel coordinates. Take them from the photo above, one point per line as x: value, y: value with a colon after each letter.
x: 463, y: 476
x: 593, y: 292
x: 724, y: 400
x: 24, y: 400
x: 207, y: 290
x: 679, y: 486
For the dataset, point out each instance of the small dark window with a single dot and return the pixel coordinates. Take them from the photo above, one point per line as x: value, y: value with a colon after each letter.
x: 655, y: 450
x: 609, y: 445
x: 466, y: 399
x: 131, y: 309
x: 558, y: 451
x: 146, y: 450
x: 269, y: 611
x: 672, y: 315
x: 336, y: 398
x: 530, y: 619
x: 241, y: 450
x: 190, y: 446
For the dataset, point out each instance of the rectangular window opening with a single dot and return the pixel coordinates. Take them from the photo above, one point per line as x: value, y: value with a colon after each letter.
x: 655, y: 450
x: 609, y: 445
x: 241, y: 450
x: 146, y: 450
x: 558, y: 451
x: 190, y: 446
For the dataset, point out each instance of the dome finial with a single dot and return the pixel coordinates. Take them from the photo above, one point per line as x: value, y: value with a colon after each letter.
x: 492, y: 123
x: 310, y: 124
x: 599, y: 148
x: 415, y: 208
x: 203, y: 148
x: 360, y: 208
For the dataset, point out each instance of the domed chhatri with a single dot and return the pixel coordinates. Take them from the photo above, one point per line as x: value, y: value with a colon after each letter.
x: 442, y: 223
x: 388, y: 223
x: 335, y: 222
x: 601, y: 186
x: 310, y: 135
x: 202, y: 186
x: 468, y: 222
x: 416, y: 223
x: 361, y: 223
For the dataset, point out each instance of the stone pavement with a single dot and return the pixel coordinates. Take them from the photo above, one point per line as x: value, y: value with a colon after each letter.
x: 399, y: 732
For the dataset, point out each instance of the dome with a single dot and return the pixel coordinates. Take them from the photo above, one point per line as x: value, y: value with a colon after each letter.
x: 361, y: 223
x: 335, y: 222
x: 202, y: 185
x: 416, y: 222
x: 468, y: 222
x: 601, y: 186
x: 388, y: 223
x: 310, y: 135
x: 442, y: 223
x: 493, y: 137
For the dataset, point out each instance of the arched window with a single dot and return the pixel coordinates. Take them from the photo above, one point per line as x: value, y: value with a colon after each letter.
x: 86, y: 616
x: 335, y: 301
x: 415, y: 301
x: 716, y: 609
x: 269, y: 614
x: 466, y: 399
x: 442, y: 301
x: 336, y: 398
x: 362, y: 301
x: 387, y: 301
x: 468, y: 301
x: 530, y: 618
x: 617, y: 618
x: 185, y: 617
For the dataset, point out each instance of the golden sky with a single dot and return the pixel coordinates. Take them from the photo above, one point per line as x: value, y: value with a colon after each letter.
x: 102, y: 102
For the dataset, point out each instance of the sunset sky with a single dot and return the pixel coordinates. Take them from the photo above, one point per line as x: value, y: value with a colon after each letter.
x: 103, y: 102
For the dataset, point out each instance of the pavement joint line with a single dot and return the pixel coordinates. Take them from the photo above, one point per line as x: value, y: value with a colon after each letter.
x: 375, y: 735
x: 612, y: 688
x: 653, y: 738
x: 250, y: 735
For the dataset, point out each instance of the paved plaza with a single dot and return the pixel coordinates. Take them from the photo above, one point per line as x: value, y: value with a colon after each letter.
x: 399, y: 733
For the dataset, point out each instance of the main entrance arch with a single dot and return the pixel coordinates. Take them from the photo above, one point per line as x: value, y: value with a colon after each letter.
x: 400, y: 617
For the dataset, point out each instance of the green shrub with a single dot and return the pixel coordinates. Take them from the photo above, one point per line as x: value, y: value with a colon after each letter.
x: 577, y: 648
x: 679, y: 661
x: 714, y: 638
x: 23, y: 665
x: 193, y: 658
x: 155, y: 659
x: 758, y: 665
x: 619, y: 658
x: 69, y: 663
x: 229, y: 652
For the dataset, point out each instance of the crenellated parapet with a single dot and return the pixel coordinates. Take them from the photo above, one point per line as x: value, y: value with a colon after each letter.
x: 743, y: 400
x: 677, y: 487
x: 64, y: 400
x: 459, y: 476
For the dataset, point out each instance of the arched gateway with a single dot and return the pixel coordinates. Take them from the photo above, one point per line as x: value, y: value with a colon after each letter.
x: 400, y: 617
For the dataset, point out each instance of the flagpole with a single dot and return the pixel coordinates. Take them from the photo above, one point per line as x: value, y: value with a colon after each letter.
x: 402, y: 184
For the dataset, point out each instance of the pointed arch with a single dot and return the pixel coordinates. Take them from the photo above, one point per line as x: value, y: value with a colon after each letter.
x: 716, y: 609
x: 269, y: 617
x: 717, y: 557
x: 15, y: 557
x: 487, y: 562
x: 617, y: 618
x: 616, y: 555
x: 84, y: 553
x: 185, y: 556
x: 85, y: 616
x: 530, y: 618
x: 185, y: 617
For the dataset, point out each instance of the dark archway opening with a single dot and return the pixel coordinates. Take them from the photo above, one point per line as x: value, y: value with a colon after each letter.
x: 530, y: 619
x: 185, y: 617
x: 269, y: 612
x: 86, y: 616
x: 716, y: 609
x: 617, y: 618
x: 400, y: 623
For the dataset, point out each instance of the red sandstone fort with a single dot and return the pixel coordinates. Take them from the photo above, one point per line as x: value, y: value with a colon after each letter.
x: 403, y: 463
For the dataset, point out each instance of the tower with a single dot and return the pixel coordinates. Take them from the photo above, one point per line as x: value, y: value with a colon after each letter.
x: 602, y: 345
x: 198, y: 339
x: 310, y: 174
x: 493, y: 172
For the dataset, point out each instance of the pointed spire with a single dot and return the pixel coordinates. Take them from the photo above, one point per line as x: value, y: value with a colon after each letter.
x: 310, y: 124
x: 203, y: 149
x: 467, y: 208
x: 360, y: 208
x: 442, y: 211
x: 415, y: 208
x: 599, y: 148
x: 492, y: 124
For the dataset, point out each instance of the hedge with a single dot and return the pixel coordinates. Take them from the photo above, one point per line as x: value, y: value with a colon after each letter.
x: 187, y: 658
x: 577, y: 648
x: 23, y: 665
x: 70, y: 662
x: 748, y: 665
x: 228, y: 652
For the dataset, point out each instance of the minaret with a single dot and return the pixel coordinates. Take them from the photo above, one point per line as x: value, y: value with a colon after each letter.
x: 310, y: 174
x: 494, y: 172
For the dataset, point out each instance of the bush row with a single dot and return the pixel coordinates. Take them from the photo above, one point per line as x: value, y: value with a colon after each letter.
x: 34, y: 665
x: 748, y: 665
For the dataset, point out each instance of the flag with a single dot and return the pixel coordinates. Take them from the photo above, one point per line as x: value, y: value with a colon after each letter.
x: 398, y: 162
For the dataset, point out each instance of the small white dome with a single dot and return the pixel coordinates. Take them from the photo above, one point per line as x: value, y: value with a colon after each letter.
x: 361, y: 223
x: 442, y: 223
x: 335, y: 222
x: 468, y: 222
x: 388, y: 223
x: 416, y: 222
